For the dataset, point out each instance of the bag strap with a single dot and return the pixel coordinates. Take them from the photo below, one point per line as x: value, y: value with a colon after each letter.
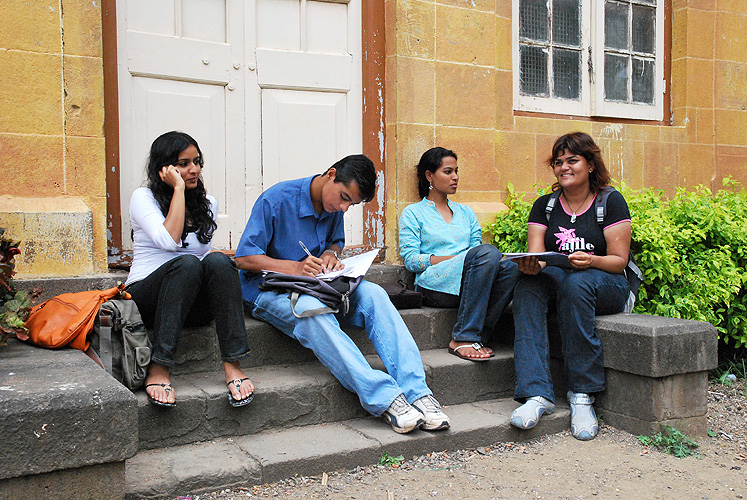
x: 106, y: 323
x: 311, y: 312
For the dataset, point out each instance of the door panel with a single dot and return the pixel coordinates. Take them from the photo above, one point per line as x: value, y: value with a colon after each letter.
x: 270, y: 89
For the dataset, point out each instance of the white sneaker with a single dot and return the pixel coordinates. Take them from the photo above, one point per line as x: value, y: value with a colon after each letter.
x: 435, y: 418
x: 527, y: 415
x: 584, y: 423
x: 402, y: 416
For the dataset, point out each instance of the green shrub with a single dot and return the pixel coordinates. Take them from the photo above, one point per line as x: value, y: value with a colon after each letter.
x: 692, y: 249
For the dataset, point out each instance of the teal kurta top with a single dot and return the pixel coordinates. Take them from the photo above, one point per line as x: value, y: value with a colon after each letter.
x: 423, y: 232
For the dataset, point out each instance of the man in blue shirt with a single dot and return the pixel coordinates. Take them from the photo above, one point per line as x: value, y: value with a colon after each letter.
x: 311, y: 210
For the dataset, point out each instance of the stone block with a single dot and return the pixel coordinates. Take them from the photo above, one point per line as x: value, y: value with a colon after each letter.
x: 733, y: 46
x: 731, y: 160
x: 416, y: 90
x: 520, y: 147
x: 84, y: 97
x: 415, y: 29
x: 731, y: 85
x: 730, y: 126
x: 503, y: 40
x: 93, y: 482
x: 477, y: 5
x: 690, y: 426
x: 69, y: 414
x: 82, y: 22
x: 465, y: 95
x: 697, y: 164
x: 656, y: 399
x: 85, y: 169
x: 465, y: 36
x: 476, y: 151
x: 443, y: 370
x: 56, y: 286
x: 56, y: 235
x: 308, y: 451
x: 35, y: 27
x: 32, y: 93
x: 190, y: 468
x: 654, y: 346
x: 27, y: 154
x: 185, y: 423
x: 700, y: 34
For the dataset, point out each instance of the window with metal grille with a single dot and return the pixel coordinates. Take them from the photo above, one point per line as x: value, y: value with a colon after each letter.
x: 589, y: 57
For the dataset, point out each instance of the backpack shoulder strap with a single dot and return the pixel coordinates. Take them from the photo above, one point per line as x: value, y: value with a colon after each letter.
x: 551, y: 201
x: 600, y: 204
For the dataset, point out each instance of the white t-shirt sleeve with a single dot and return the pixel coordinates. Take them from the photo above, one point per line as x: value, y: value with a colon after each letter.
x: 146, y: 214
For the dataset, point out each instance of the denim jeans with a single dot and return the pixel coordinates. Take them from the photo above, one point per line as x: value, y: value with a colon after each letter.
x: 577, y: 296
x: 487, y: 288
x: 370, y: 308
x: 187, y: 291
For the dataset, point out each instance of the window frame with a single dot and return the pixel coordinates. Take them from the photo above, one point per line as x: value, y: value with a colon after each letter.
x: 592, y: 102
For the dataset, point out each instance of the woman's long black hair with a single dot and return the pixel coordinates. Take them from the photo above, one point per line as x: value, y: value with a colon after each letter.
x: 198, y: 216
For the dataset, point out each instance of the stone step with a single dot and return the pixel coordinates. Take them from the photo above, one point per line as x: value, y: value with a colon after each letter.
x: 302, y: 394
x: 313, y: 449
x: 199, y: 352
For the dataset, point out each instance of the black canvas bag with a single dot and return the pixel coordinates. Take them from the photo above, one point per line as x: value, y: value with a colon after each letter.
x: 334, y: 293
x: 401, y: 296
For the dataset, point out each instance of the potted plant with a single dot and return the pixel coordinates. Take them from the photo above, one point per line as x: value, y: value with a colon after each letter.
x: 14, y: 305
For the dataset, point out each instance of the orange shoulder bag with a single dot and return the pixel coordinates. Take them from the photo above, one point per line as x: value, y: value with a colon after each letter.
x: 67, y: 319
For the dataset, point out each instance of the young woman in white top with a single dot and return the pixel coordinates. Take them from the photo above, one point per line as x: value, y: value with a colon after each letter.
x: 175, y: 280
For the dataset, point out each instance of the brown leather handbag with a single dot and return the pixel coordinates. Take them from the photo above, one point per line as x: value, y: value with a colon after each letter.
x: 67, y: 319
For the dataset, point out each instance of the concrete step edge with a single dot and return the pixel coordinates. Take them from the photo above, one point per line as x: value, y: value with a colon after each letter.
x: 311, y: 450
x: 302, y: 394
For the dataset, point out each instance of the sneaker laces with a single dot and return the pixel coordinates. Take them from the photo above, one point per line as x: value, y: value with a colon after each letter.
x: 430, y: 404
x: 399, y: 405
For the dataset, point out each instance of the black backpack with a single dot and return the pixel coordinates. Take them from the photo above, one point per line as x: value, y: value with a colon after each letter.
x: 632, y: 272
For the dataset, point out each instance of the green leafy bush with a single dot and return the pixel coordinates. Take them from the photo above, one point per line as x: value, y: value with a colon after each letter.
x: 692, y: 249
x: 672, y: 441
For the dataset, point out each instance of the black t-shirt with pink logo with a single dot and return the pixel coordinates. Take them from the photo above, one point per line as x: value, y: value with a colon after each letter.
x: 585, y: 234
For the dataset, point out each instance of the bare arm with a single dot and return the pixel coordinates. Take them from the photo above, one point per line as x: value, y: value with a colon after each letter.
x: 535, y: 243
x: 174, y: 222
x: 436, y: 260
x: 618, y: 247
x: 311, y: 266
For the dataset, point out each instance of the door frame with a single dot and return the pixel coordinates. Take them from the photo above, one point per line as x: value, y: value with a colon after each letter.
x: 374, y: 131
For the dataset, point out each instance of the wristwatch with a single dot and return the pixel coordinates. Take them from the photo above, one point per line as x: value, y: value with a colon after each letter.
x: 334, y: 252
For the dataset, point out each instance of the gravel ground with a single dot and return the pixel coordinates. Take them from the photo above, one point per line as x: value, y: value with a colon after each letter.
x: 614, y: 465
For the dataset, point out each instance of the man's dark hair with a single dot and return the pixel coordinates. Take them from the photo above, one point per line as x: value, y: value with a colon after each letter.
x: 358, y: 168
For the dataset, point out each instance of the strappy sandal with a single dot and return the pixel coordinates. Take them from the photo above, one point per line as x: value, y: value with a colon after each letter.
x: 166, y: 387
x: 476, y: 346
x: 238, y: 402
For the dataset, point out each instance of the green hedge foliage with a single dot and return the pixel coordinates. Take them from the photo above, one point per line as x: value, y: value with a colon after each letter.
x: 692, y: 249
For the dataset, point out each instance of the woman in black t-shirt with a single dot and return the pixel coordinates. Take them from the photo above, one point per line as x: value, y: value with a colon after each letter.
x: 593, y: 284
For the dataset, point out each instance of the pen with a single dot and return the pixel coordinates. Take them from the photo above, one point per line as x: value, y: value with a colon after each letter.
x: 324, y: 269
x: 304, y: 248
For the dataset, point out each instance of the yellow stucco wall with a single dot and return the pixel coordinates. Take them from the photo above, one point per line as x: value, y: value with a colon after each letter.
x: 51, y: 121
x: 449, y: 83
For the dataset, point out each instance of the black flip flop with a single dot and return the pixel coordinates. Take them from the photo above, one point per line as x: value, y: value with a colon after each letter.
x: 239, y: 402
x: 167, y: 387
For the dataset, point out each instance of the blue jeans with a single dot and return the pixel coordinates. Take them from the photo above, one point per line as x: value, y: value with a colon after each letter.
x: 370, y: 308
x: 487, y: 288
x: 578, y: 296
x: 187, y: 291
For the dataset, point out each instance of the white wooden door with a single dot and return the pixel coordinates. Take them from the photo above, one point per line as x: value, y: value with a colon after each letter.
x: 270, y: 89
x: 308, y: 60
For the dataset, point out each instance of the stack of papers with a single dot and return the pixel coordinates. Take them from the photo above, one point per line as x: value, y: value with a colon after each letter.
x: 552, y: 258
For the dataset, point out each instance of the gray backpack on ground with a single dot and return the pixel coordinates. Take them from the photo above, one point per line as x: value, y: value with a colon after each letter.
x: 120, y: 343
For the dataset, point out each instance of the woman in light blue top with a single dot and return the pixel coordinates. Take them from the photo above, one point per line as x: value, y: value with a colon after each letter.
x: 441, y: 242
